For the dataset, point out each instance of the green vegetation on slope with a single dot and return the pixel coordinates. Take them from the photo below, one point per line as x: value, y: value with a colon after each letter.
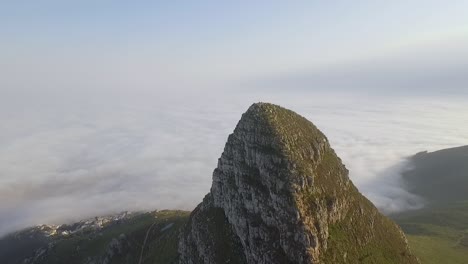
x: 121, y: 242
x: 438, y: 235
x: 441, y: 177
x: 439, y: 232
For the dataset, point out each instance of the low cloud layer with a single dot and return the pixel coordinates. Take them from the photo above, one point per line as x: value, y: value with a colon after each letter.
x: 80, y: 156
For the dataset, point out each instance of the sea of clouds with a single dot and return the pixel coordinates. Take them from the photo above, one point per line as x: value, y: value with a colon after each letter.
x: 69, y: 156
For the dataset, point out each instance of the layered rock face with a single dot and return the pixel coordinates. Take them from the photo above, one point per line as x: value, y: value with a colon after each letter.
x: 281, y: 195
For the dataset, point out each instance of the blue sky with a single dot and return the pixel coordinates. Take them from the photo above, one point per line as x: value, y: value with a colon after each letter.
x: 156, y: 44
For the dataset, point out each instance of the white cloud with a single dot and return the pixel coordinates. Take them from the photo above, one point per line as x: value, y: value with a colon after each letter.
x: 68, y: 159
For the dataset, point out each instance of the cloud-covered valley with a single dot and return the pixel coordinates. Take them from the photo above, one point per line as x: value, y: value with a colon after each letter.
x: 82, y: 155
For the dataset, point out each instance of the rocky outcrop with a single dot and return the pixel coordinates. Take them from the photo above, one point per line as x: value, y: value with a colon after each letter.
x: 281, y: 195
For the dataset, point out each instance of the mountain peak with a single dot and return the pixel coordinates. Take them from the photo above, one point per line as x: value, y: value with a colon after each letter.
x: 288, y: 126
x: 281, y: 195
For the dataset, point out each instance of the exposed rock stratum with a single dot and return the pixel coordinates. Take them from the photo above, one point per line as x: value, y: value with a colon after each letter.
x: 281, y: 195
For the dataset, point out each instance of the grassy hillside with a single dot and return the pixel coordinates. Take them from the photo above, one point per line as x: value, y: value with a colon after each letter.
x: 438, y: 235
x: 439, y: 232
x: 441, y: 177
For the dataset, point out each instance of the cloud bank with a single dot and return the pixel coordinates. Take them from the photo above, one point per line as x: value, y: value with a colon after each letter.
x: 77, y: 157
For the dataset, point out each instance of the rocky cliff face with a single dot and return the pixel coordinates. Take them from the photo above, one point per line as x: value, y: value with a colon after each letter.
x: 281, y: 195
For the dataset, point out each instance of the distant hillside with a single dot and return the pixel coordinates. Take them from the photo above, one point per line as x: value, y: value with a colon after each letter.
x: 123, y: 238
x: 438, y: 233
x: 440, y: 177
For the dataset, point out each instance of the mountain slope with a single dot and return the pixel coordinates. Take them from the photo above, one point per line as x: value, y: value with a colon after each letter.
x: 124, y: 238
x: 281, y: 195
x: 438, y: 233
x: 447, y: 169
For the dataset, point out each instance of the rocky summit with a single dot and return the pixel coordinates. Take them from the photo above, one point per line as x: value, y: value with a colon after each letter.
x: 281, y: 195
